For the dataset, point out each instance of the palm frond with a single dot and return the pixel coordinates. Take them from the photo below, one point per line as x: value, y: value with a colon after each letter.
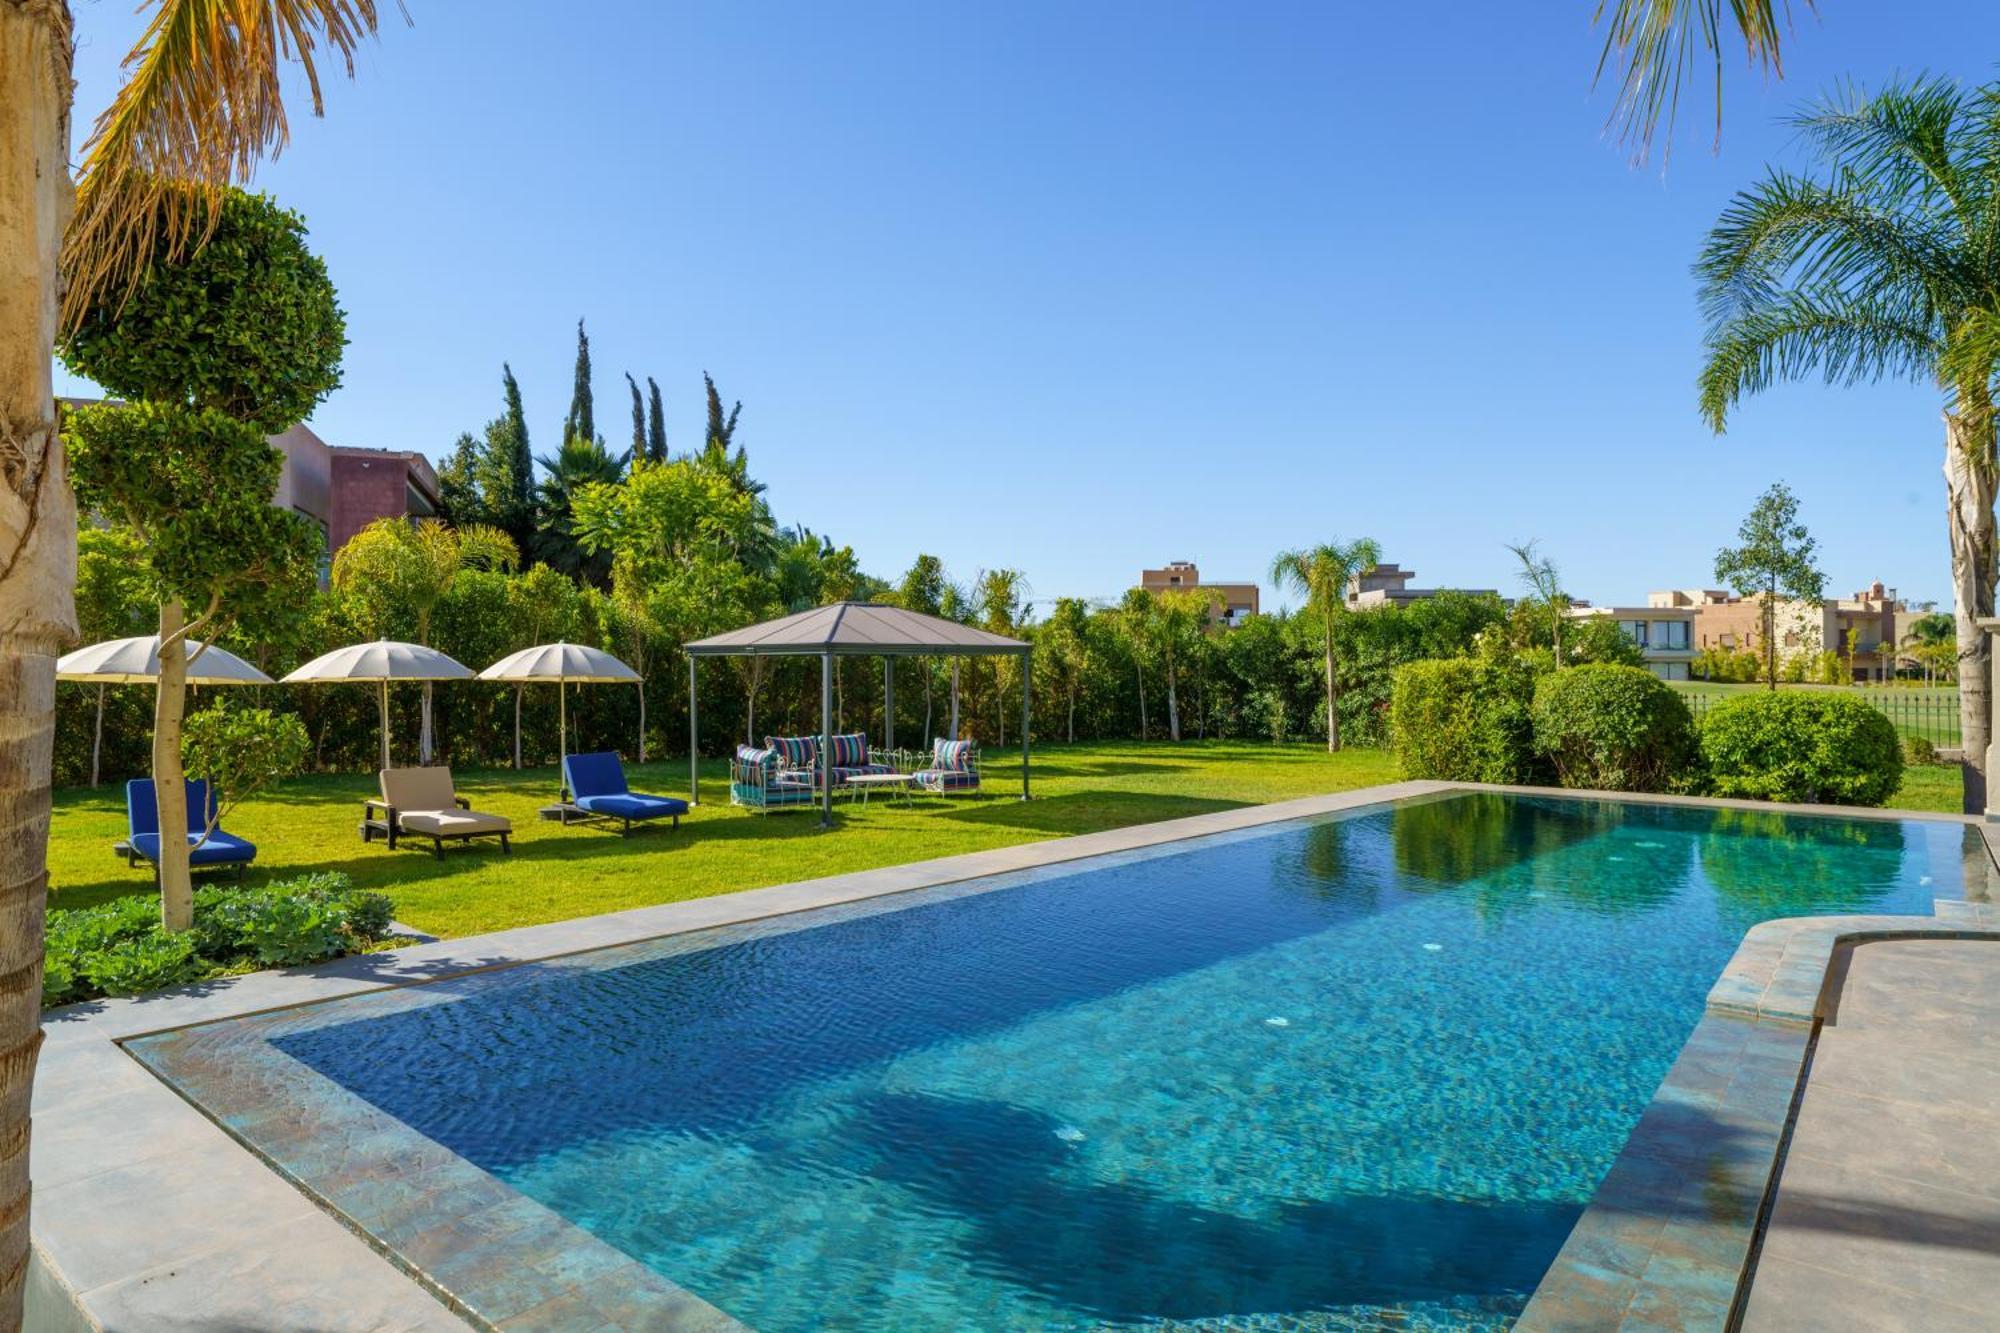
x: 1797, y: 334
x: 1898, y: 143
x: 1656, y: 44
x: 1970, y: 363
x: 1789, y: 231
x: 202, y: 105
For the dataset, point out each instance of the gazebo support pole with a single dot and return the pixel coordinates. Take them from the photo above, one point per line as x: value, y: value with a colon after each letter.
x: 694, y: 741
x: 826, y: 740
x: 888, y: 704
x: 1027, y: 670
x: 97, y: 736
x: 385, y: 722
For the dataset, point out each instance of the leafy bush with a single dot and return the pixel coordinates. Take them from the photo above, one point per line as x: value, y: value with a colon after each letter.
x: 241, y: 751
x: 118, y: 948
x: 1919, y: 750
x: 1464, y: 720
x: 1799, y: 745
x: 1615, y: 728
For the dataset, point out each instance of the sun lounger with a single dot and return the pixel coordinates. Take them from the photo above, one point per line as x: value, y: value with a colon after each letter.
x: 421, y: 803
x: 596, y: 784
x: 142, y: 822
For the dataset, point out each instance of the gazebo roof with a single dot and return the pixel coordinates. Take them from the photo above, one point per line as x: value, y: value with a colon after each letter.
x: 856, y: 629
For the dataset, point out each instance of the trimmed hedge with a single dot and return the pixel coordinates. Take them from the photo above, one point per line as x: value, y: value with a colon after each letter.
x: 1802, y: 745
x: 1615, y: 728
x: 1463, y: 719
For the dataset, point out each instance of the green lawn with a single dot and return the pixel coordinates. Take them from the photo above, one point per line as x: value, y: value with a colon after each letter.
x: 556, y: 873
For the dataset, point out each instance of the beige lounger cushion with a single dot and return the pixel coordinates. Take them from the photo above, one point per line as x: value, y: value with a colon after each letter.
x: 425, y: 803
x: 450, y: 823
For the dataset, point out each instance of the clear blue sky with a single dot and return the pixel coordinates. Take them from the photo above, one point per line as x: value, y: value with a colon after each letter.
x: 1081, y: 288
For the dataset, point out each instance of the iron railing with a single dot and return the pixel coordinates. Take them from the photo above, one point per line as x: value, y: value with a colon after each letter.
x: 1918, y: 712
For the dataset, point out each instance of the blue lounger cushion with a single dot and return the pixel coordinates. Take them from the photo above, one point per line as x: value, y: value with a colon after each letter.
x: 632, y: 805
x: 221, y: 849
x: 597, y: 786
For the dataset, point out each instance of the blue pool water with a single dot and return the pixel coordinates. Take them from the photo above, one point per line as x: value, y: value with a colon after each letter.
x: 1337, y: 1072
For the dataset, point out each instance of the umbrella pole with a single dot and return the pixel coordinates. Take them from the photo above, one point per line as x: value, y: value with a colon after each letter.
x: 562, y: 741
x: 385, y: 723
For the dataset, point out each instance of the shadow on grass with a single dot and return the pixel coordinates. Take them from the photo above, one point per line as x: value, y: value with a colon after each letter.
x: 1083, y: 812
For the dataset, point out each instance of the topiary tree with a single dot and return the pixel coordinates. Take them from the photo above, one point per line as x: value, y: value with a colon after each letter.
x: 1799, y: 745
x: 232, y: 341
x: 1615, y: 728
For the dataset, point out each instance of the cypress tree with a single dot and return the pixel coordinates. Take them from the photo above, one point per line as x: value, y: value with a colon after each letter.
x: 505, y: 469
x: 581, y: 424
x: 656, y: 423
x: 721, y: 429
x: 638, y: 420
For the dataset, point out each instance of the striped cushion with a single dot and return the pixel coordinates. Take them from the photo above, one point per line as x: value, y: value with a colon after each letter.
x: 861, y: 770
x: 793, y: 751
x: 747, y: 757
x: 953, y: 755
x: 849, y: 751
x: 947, y: 779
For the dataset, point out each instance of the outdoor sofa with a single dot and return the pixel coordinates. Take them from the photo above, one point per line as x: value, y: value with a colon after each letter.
x: 421, y: 803
x: 953, y: 767
x: 142, y: 823
x: 597, y: 790
x: 758, y: 781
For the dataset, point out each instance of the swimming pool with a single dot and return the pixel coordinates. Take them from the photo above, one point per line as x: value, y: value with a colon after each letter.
x: 1334, y: 1071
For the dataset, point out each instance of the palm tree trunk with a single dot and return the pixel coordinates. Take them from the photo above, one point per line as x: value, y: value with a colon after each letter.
x: 1969, y: 475
x: 37, y: 564
x: 169, y: 776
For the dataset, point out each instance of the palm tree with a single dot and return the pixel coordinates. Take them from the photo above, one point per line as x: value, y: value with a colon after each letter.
x: 1543, y: 581
x: 1886, y: 264
x: 581, y: 462
x: 1321, y: 575
x: 202, y: 104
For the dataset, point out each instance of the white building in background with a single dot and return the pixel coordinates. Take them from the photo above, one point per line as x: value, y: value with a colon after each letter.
x: 1665, y: 634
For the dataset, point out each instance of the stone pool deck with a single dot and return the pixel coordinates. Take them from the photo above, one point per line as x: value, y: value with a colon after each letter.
x: 1887, y: 1212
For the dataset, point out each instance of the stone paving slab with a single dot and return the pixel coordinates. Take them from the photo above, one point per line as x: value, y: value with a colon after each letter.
x: 1887, y: 1211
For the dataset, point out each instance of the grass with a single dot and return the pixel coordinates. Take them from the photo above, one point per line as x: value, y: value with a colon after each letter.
x: 556, y: 873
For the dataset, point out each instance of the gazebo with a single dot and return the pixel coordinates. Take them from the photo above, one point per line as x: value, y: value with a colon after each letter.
x: 852, y: 629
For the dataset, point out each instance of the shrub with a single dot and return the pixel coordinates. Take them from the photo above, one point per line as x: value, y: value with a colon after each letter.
x: 1615, y: 728
x: 118, y: 948
x: 1919, y: 750
x: 1798, y: 745
x: 1463, y: 720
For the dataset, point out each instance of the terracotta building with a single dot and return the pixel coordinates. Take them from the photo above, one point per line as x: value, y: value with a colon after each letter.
x: 1237, y: 600
x: 1875, y: 615
x: 343, y: 489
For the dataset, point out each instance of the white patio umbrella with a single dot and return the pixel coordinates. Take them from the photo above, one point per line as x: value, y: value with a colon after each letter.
x: 560, y: 664
x: 382, y: 661
x: 137, y: 662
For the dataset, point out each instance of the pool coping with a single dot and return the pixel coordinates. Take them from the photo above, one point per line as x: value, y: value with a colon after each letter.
x: 228, y: 1241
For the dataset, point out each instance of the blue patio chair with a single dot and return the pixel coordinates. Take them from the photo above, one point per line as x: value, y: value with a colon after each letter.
x: 142, y: 821
x: 596, y: 784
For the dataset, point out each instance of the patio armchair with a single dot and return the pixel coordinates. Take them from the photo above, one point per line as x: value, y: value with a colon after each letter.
x: 757, y: 782
x: 142, y: 822
x: 421, y: 803
x: 598, y: 790
x: 953, y: 767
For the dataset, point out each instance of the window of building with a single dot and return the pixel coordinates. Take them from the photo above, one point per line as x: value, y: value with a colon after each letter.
x: 1635, y: 630
x: 1672, y: 634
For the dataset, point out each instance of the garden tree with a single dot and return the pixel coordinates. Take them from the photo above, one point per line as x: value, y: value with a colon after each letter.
x: 922, y: 590
x: 1321, y: 575
x: 581, y: 423
x: 638, y: 449
x: 400, y: 571
x: 1179, y: 624
x: 656, y: 424
x: 999, y: 594
x: 1776, y: 559
x: 506, y: 468
x: 628, y: 590
x: 459, y: 500
x: 1064, y: 643
x: 218, y: 348
x: 1852, y: 642
x: 1546, y: 599
x: 1934, y: 637
x: 113, y: 601
x: 545, y: 605
x: 1883, y: 263
x: 241, y: 751
x: 582, y: 462
x: 721, y: 431
x: 194, y: 485
x: 1136, y: 617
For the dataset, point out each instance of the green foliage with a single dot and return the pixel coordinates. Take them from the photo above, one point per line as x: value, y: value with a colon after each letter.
x: 1615, y: 728
x: 581, y: 423
x: 1725, y: 666
x: 1597, y: 640
x: 118, y: 948
x: 1463, y: 720
x: 1801, y: 745
x: 241, y: 751
x: 247, y: 325
x: 1775, y: 562
x: 194, y: 486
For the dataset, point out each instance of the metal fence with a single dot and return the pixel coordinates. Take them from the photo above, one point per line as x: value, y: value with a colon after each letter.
x: 1919, y: 713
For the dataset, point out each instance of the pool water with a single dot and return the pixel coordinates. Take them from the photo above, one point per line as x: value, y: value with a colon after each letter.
x: 1340, y: 1072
